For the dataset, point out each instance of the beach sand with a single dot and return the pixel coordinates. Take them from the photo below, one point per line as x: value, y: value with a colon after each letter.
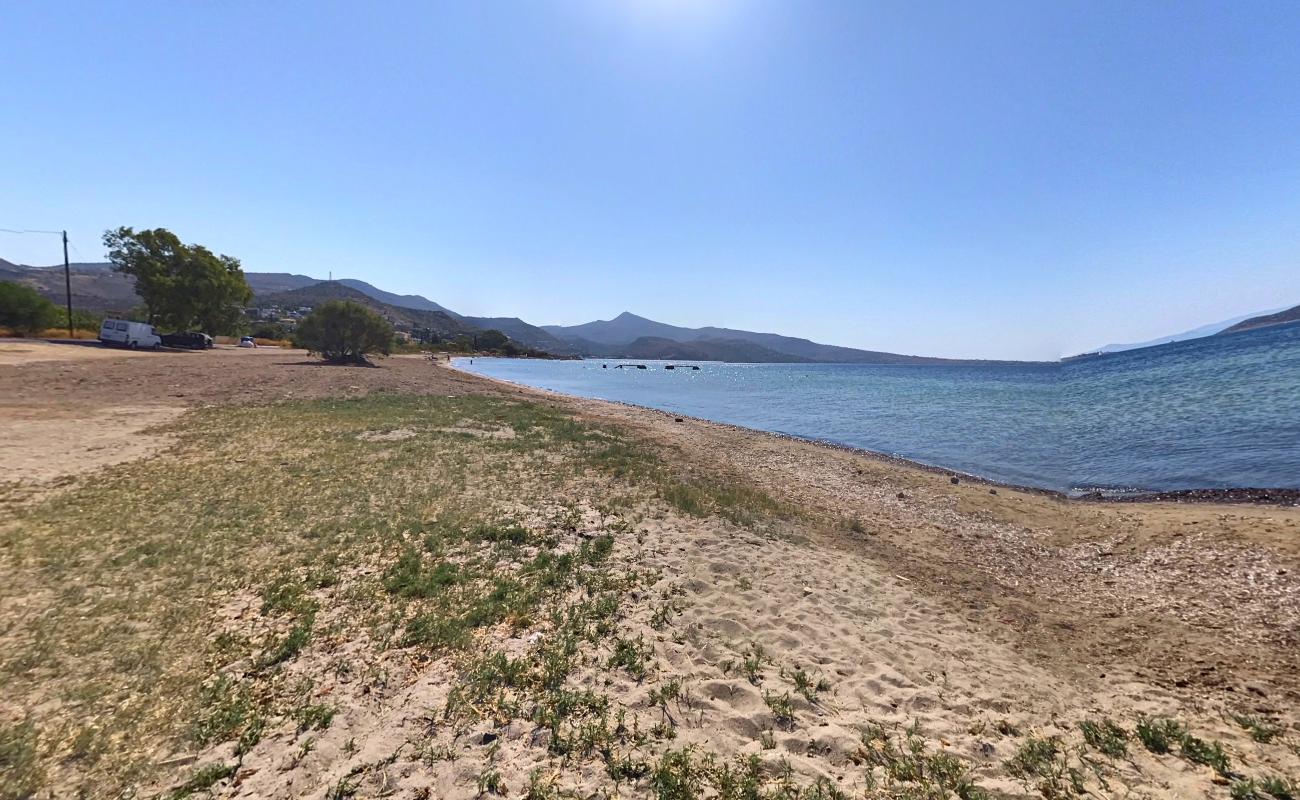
x: 987, y: 617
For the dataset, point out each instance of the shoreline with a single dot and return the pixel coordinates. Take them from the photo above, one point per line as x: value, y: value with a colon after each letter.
x: 1236, y: 495
x: 982, y: 619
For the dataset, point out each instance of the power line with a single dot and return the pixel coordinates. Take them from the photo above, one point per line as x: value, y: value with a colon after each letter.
x: 67, y: 271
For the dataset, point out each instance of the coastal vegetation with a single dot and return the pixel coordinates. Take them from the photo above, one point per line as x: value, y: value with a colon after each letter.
x: 500, y: 575
x: 24, y: 311
x: 343, y: 332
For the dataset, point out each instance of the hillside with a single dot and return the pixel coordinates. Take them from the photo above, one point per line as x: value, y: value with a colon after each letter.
x: 95, y: 286
x: 733, y: 350
x: 522, y: 332
x: 415, y: 301
x: 439, y: 322
x: 270, y: 282
x: 614, y: 337
x: 1266, y: 320
x: 621, y: 330
x: 1198, y: 332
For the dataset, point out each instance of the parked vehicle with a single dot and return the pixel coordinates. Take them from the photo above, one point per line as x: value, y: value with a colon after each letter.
x: 191, y: 339
x: 125, y: 333
x: 247, y: 341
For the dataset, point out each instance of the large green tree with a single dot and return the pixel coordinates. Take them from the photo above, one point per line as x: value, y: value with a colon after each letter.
x: 184, y: 286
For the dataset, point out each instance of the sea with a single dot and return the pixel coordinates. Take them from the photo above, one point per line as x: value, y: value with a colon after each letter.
x: 1219, y: 412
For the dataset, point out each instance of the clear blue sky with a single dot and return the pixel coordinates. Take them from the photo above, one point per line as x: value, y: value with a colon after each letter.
x: 961, y: 179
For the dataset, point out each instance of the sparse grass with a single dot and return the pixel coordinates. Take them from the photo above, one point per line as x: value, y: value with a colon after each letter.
x: 491, y: 782
x: 912, y: 771
x: 227, y: 711
x: 1106, y: 737
x: 782, y: 710
x: 1159, y: 735
x: 21, y: 772
x: 663, y: 615
x: 316, y: 716
x: 1271, y: 788
x: 285, y: 504
x: 203, y: 780
x: 1261, y: 730
x: 410, y: 576
x: 669, y: 690
x: 752, y: 664
x: 291, y: 644
x: 1280, y: 788
x: 284, y: 595
x: 808, y: 686
x: 631, y: 655
x: 689, y: 775
x: 1199, y: 751
x: 1042, y: 765
x: 417, y: 544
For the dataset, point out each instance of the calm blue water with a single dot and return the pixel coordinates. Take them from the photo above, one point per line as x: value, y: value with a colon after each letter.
x: 1220, y: 412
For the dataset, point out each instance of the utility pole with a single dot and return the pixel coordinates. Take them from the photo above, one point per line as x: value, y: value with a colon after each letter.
x: 67, y: 284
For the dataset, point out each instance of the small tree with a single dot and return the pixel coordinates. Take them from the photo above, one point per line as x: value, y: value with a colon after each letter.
x: 344, y: 332
x: 24, y: 311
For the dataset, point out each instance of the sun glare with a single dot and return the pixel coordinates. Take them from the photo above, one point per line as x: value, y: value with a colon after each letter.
x: 698, y: 14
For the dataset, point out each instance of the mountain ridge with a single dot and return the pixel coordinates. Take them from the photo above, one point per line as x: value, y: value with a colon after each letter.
x: 606, y: 337
x: 1199, y: 332
x: 97, y: 287
x: 1285, y: 316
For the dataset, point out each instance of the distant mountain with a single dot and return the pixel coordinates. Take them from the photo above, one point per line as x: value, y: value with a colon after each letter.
x: 733, y: 350
x: 1266, y: 320
x: 400, y: 300
x: 95, y: 286
x: 614, y: 337
x: 620, y: 330
x: 1194, y: 333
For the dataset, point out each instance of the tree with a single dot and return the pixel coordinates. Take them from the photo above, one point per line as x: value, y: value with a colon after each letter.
x: 24, y: 311
x: 184, y: 286
x: 490, y: 339
x: 344, y: 332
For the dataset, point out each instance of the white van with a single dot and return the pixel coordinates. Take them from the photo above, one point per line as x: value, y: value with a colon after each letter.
x: 129, y: 334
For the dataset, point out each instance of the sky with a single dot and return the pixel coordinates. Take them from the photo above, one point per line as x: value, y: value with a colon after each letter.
x: 1005, y: 180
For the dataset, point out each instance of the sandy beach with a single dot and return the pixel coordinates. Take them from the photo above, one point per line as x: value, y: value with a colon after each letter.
x: 857, y: 626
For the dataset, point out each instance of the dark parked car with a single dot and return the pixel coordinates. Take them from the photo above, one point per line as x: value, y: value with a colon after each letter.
x: 191, y: 339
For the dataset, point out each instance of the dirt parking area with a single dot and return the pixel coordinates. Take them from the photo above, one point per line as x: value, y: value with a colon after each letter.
x: 70, y: 408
